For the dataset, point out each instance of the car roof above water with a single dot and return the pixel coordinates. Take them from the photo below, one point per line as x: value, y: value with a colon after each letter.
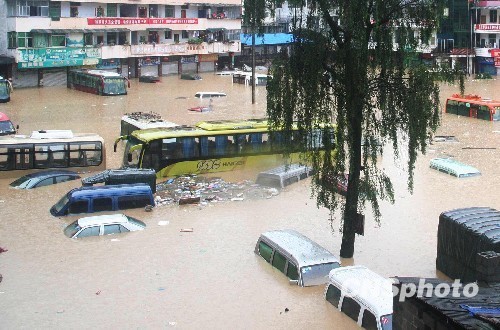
x: 134, y: 187
x: 102, y: 219
x: 305, y: 251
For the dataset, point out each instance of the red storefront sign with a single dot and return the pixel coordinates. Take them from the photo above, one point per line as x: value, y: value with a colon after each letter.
x: 135, y: 20
x: 495, y: 52
x: 497, y: 61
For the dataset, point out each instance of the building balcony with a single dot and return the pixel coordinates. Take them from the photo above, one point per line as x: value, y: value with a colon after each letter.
x: 26, y: 24
x: 33, y: 58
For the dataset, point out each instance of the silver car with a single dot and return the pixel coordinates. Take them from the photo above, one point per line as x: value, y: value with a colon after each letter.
x: 103, y: 225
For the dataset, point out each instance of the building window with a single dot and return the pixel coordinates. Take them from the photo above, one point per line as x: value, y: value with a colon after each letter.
x: 99, y: 12
x: 24, y: 40
x: 169, y: 11
x: 87, y: 39
x: 32, y: 8
x: 493, y: 16
x: 11, y: 36
x: 58, y: 40
x: 73, y: 11
x: 185, y: 34
x: 168, y: 34
x: 492, y: 40
x: 111, y: 10
x: 143, y: 12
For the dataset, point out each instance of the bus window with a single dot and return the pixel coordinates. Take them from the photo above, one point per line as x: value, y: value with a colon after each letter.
x: 496, y: 115
x: 189, y: 147
x: 57, y: 155
x: 255, y: 142
x: 240, y: 143
x: 483, y: 112
x: 170, y: 149
x: 6, y: 159
x: 451, y: 107
x: 23, y: 159
x: 85, y: 153
x: 463, y: 109
x: 42, y: 156
x: 221, y: 143
x: 207, y: 146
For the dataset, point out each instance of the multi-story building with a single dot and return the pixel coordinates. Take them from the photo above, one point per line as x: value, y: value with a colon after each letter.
x: 454, y: 36
x: 41, y: 39
x: 487, y: 36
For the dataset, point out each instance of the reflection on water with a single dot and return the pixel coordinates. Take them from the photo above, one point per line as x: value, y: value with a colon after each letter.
x: 162, y: 277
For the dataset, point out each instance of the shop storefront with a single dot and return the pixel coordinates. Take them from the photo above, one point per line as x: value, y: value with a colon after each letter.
x: 207, y: 62
x: 486, y: 65
x: 169, y: 65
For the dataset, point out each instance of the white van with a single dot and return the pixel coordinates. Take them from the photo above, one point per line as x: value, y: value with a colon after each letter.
x: 364, y: 296
x: 302, y: 260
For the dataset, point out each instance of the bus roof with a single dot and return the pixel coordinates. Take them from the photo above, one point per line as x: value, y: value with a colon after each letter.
x: 103, y: 73
x: 19, y: 139
x: 205, y: 128
x: 472, y: 98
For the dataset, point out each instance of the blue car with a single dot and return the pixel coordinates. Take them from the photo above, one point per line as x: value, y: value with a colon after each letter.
x: 44, y: 178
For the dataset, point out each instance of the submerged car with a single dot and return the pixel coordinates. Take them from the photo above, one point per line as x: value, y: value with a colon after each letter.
x: 103, y: 225
x: 44, y: 178
x: 302, y: 260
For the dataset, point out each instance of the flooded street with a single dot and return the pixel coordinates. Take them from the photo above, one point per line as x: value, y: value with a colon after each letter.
x: 164, y: 278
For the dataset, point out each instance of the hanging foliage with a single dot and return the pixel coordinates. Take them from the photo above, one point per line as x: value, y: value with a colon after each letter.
x: 355, y: 64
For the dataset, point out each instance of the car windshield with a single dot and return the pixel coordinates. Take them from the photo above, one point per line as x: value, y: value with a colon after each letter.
x: 72, y: 229
x: 386, y: 322
x: 22, y: 182
x: 136, y: 222
x: 317, y: 274
x: 6, y: 127
x: 61, y: 203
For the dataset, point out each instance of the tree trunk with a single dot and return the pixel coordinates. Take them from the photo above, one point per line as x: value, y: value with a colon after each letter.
x: 355, y: 80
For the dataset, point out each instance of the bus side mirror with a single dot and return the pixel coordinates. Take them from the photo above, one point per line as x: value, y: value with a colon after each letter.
x: 17, y: 126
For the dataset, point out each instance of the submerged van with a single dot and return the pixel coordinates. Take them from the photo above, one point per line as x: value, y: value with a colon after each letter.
x: 103, y: 198
x: 363, y: 295
x: 302, y: 260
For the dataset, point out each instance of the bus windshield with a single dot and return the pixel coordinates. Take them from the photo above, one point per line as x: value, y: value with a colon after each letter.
x: 114, y: 86
x: 132, y: 152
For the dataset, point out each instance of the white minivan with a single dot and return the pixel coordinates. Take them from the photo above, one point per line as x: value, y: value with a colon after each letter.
x: 363, y: 295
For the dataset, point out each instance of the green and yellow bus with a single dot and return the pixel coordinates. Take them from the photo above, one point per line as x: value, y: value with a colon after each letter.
x: 211, y: 146
x: 98, y: 82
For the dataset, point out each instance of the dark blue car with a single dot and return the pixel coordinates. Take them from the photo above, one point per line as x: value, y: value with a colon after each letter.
x: 44, y: 178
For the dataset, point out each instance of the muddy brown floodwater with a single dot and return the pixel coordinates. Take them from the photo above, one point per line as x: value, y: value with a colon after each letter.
x: 164, y: 278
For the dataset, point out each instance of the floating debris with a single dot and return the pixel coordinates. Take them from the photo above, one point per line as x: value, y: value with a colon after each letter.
x: 186, y: 230
x: 193, y: 189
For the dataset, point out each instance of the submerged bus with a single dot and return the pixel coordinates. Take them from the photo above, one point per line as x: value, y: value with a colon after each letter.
x: 210, y: 146
x: 473, y: 106
x: 98, y: 82
x: 5, y: 89
x: 51, y: 149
